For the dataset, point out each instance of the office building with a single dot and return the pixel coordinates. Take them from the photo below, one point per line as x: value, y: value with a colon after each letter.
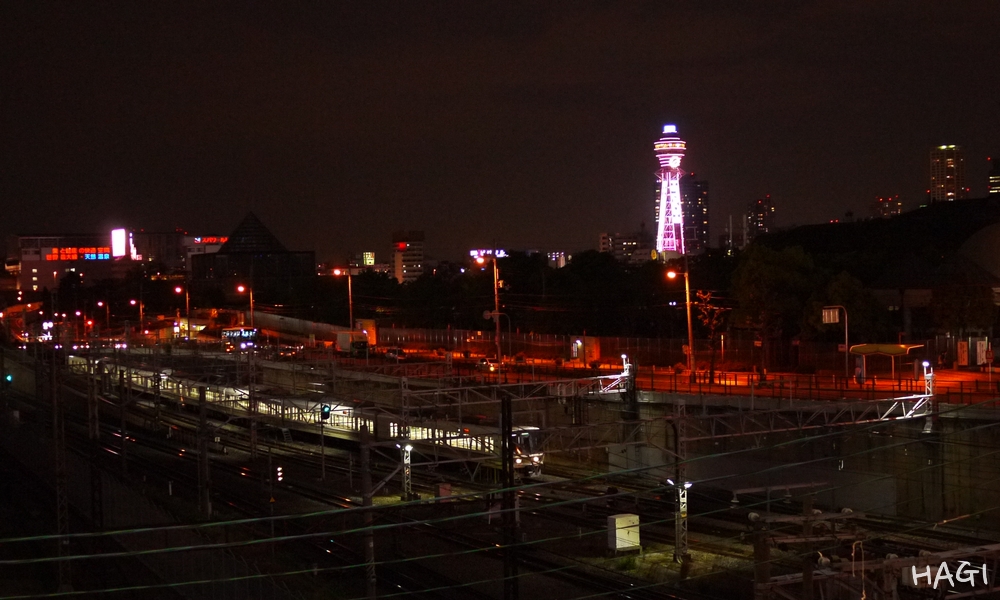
x: 40, y: 261
x: 886, y: 207
x: 557, y: 259
x: 947, y: 167
x: 760, y: 217
x: 407, y: 255
x: 281, y: 280
x: 620, y: 245
x: 694, y: 200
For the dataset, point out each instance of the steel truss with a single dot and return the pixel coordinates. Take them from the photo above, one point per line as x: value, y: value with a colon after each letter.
x: 812, y: 415
x: 530, y: 398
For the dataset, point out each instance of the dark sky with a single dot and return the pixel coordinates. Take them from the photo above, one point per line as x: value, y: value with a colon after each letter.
x: 530, y: 123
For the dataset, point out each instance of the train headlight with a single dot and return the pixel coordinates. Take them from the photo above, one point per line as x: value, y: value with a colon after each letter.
x: 517, y: 461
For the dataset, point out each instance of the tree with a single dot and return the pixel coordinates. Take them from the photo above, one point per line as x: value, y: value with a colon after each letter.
x: 771, y: 288
x: 713, y: 317
x: 869, y: 320
x: 962, y: 308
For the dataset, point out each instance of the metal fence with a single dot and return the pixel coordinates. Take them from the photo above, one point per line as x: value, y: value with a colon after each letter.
x: 734, y: 351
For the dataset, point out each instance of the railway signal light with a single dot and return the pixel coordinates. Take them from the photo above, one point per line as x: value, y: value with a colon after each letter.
x: 324, y: 412
x: 279, y: 474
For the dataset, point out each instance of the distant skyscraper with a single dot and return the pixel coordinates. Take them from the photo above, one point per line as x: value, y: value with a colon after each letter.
x: 993, y: 187
x: 669, y: 211
x: 407, y: 255
x: 694, y: 198
x: 947, y: 174
x: 889, y: 206
x: 760, y: 217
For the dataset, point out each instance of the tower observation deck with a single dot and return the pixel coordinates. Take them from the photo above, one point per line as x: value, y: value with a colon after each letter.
x: 669, y: 214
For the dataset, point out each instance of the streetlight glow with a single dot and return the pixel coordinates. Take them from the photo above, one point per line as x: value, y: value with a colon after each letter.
x: 687, y: 303
x: 187, y: 306
x: 242, y: 288
x: 350, y: 295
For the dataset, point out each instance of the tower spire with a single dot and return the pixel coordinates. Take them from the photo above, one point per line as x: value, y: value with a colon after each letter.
x: 669, y: 214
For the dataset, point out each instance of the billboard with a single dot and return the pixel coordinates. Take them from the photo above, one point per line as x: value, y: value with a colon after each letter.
x: 118, y: 243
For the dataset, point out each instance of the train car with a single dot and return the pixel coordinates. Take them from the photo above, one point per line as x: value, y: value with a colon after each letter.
x: 456, y: 440
x: 477, y: 444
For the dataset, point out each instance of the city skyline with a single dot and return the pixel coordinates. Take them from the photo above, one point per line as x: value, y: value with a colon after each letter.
x: 476, y: 124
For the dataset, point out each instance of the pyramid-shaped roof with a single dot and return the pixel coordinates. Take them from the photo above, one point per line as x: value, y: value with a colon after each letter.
x: 252, y: 236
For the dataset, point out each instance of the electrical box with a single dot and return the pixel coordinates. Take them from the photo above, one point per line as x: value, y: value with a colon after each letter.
x: 623, y: 532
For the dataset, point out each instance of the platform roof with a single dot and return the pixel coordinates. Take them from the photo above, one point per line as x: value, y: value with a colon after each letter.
x: 885, y: 349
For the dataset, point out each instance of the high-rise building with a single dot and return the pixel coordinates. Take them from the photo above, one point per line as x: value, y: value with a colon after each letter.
x: 669, y: 211
x: 407, y: 255
x: 557, y: 259
x: 362, y: 260
x: 620, y: 245
x: 993, y: 185
x: 694, y: 198
x: 760, y: 217
x: 888, y: 206
x: 947, y: 174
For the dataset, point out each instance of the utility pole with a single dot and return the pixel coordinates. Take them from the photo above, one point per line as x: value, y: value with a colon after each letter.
x: 366, y: 494
x: 807, y: 557
x: 681, y: 553
x: 253, y: 397
x: 204, y: 475
x: 62, y: 501
x: 156, y: 383
x: 123, y: 409
x: 3, y: 384
x: 511, y: 589
x: 761, y: 562
x: 322, y: 452
x: 94, y: 435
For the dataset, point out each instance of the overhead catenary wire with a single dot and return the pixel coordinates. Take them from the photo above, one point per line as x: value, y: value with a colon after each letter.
x: 806, y: 439
x: 343, y: 512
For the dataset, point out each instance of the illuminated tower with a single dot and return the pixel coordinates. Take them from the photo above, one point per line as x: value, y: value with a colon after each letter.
x: 669, y: 212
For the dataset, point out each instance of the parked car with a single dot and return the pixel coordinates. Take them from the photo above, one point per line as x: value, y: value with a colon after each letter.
x: 395, y: 353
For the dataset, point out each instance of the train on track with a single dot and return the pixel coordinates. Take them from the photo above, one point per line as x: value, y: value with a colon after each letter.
x: 476, y: 446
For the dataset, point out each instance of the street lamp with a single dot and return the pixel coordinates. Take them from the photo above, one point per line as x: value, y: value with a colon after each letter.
x: 107, y: 313
x: 831, y: 315
x: 241, y: 289
x: 251, y: 353
x: 350, y: 295
x: 508, y: 498
x: 687, y: 303
x: 187, y: 306
x: 133, y: 302
x: 496, y: 300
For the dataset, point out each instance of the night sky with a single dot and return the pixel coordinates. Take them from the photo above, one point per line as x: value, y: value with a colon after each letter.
x: 531, y: 124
